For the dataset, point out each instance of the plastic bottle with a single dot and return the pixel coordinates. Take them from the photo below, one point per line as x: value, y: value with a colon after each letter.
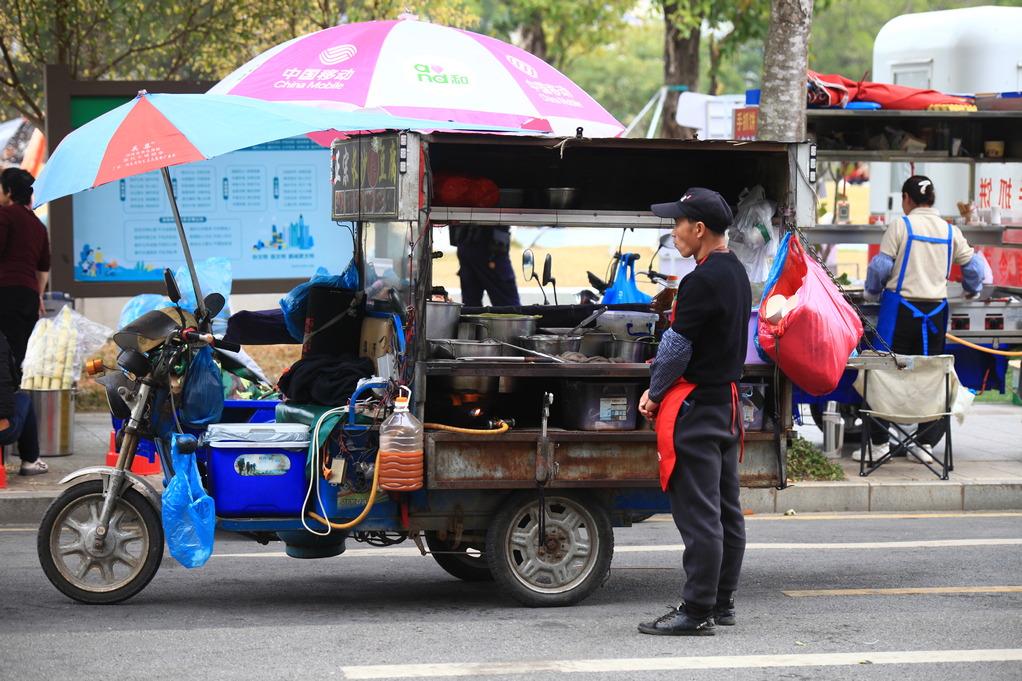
x: 401, y: 460
x: 663, y: 302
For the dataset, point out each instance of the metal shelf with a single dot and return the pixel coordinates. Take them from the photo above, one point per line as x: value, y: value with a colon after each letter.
x: 541, y: 217
x: 537, y: 369
x: 977, y: 235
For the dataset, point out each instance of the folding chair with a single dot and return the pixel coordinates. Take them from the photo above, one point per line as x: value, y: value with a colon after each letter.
x: 919, y: 390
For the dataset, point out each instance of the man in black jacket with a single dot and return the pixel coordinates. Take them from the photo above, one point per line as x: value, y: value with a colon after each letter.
x: 693, y: 400
x: 17, y: 415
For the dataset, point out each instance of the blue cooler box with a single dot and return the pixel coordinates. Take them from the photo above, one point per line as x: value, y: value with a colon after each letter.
x: 258, y: 469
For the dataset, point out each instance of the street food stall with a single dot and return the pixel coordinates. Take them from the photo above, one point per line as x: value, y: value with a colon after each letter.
x: 528, y: 457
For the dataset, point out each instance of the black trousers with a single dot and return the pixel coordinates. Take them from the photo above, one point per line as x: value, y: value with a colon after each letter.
x: 703, y: 490
x: 19, y: 311
x: 908, y: 340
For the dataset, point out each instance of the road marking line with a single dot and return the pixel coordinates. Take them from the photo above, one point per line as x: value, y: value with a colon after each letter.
x: 874, y: 516
x: 660, y: 548
x: 913, y: 590
x: 632, y: 665
x: 922, y: 544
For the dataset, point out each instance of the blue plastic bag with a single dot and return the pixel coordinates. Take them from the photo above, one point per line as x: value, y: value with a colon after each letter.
x: 624, y: 289
x: 203, y: 399
x: 189, y: 514
x: 294, y: 304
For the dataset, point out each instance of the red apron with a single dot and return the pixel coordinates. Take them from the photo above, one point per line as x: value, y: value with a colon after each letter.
x: 668, y: 413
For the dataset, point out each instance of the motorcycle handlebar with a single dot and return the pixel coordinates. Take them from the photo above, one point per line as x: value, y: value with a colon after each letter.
x: 193, y: 336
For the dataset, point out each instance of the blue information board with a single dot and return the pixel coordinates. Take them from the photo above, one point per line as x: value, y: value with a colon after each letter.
x: 266, y: 208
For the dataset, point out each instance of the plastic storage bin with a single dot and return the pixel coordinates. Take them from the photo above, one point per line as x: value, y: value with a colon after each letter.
x: 258, y: 469
x: 599, y: 405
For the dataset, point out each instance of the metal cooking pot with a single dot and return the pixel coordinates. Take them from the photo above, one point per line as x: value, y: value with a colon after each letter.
x: 634, y: 351
x: 551, y: 344
x: 453, y: 348
x: 592, y: 339
x: 506, y: 327
x: 442, y: 319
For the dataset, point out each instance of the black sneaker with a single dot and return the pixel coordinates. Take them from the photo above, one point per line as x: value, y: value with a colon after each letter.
x: 678, y: 623
x: 724, y: 613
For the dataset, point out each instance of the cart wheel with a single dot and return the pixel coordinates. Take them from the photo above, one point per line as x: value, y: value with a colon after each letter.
x: 850, y: 415
x: 128, y: 559
x: 467, y: 562
x: 570, y: 562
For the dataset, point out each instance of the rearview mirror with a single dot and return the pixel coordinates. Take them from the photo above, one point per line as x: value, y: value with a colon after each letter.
x: 214, y: 303
x: 528, y: 265
x: 173, y: 292
x: 548, y: 276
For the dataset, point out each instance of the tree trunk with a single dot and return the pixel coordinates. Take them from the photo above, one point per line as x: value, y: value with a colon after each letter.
x: 681, y: 67
x: 533, y: 37
x: 782, y: 108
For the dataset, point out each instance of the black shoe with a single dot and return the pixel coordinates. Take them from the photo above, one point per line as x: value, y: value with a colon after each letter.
x: 678, y: 623
x: 724, y: 613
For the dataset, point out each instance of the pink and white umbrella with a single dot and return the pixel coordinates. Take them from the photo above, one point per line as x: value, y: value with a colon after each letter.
x: 417, y: 69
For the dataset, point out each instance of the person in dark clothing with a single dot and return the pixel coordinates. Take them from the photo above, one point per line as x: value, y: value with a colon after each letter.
x: 485, y: 264
x: 17, y: 415
x: 693, y: 402
x: 24, y: 261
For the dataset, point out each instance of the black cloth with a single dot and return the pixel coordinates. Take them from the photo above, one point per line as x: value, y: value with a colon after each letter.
x: 259, y: 327
x: 326, y: 380
x: 908, y: 340
x: 10, y: 379
x: 713, y: 306
x: 485, y: 264
x: 712, y: 312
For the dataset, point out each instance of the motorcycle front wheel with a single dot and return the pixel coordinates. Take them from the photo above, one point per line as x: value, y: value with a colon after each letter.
x: 116, y: 570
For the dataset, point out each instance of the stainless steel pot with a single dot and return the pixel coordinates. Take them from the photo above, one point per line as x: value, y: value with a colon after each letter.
x: 551, y: 344
x: 454, y: 348
x: 507, y: 328
x: 442, y: 319
x: 593, y: 340
x: 634, y: 351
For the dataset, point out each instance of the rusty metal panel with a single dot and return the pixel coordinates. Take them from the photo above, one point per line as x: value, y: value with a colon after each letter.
x: 451, y: 462
x: 595, y: 460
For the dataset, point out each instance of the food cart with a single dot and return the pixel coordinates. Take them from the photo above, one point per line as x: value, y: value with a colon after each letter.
x: 529, y: 460
x: 558, y: 452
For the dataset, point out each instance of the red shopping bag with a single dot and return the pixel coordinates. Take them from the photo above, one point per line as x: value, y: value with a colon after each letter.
x: 812, y: 342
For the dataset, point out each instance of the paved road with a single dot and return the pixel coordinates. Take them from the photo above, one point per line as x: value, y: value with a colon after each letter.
x: 928, y: 597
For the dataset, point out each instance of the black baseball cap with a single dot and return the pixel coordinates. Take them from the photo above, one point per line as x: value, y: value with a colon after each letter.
x: 700, y: 204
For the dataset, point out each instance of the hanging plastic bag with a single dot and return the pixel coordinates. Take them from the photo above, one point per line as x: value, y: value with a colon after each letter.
x: 203, y: 398
x: 189, y: 514
x: 752, y: 236
x: 624, y: 290
x: 816, y: 331
x: 294, y: 304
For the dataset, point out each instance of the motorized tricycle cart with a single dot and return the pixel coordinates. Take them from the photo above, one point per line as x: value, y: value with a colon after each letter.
x: 529, y: 461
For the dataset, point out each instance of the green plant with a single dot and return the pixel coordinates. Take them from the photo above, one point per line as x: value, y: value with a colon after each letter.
x: 806, y: 462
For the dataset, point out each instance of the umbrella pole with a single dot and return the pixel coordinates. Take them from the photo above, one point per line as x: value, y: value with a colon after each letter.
x: 201, y: 304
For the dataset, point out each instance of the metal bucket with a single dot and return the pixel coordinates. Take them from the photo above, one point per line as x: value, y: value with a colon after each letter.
x: 55, y: 414
x: 507, y: 328
x: 442, y: 319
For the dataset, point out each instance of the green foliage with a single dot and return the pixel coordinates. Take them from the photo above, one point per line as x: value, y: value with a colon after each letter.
x: 843, y: 32
x: 806, y: 462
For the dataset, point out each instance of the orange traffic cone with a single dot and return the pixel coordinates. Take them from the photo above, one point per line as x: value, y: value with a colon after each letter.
x: 147, y: 462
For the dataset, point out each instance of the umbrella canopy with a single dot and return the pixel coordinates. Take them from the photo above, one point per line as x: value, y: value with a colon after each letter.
x: 412, y: 68
x: 154, y: 131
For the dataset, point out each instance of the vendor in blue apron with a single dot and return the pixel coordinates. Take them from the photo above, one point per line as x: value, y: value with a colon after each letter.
x: 909, y: 275
x: 693, y: 402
